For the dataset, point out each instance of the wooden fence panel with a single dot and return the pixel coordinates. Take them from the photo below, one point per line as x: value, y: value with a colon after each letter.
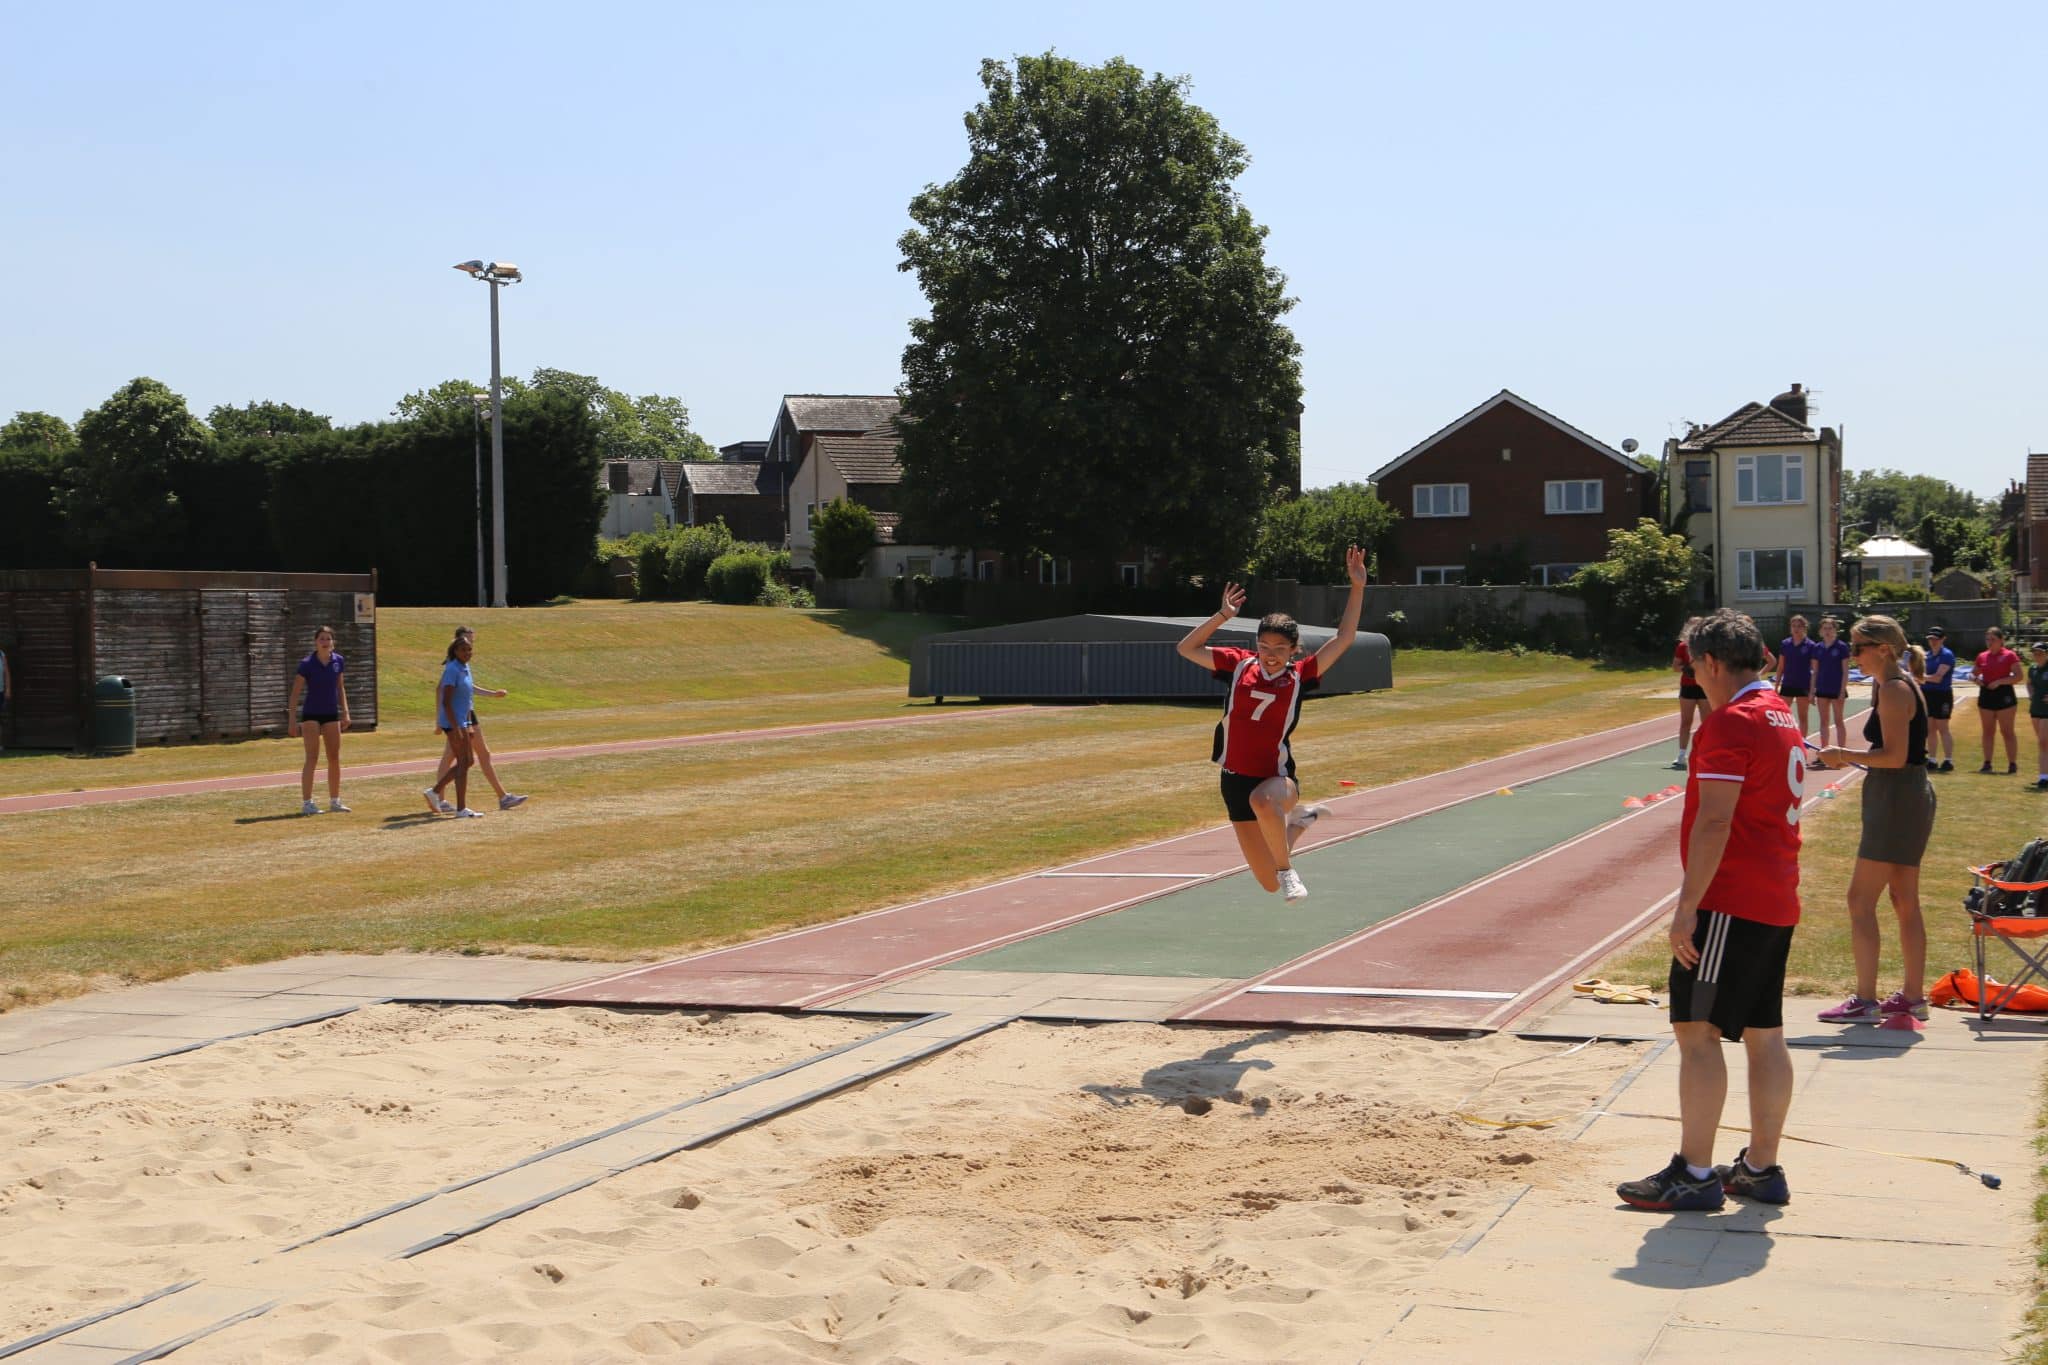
x: 272, y: 661
x: 151, y: 636
x: 224, y: 680
x: 43, y: 632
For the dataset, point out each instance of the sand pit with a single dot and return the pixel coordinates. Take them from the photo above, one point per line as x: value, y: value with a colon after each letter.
x: 1042, y: 1193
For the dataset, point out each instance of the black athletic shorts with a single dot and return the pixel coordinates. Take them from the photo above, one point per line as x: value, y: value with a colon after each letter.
x: 1237, y: 794
x: 1795, y: 690
x: 1740, y: 980
x: 1692, y: 692
x: 1941, y: 703
x: 469, y: 724
x: 1997, y: 699
x: 308, y: 718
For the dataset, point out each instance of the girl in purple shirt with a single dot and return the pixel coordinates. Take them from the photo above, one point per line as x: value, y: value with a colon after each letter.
x: 319, y: 708
x: 1831, y: 682
x: 1795, y: 668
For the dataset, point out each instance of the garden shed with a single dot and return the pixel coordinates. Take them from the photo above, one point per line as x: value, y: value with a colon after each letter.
x: 211, y: 655
x: 1111, y: 658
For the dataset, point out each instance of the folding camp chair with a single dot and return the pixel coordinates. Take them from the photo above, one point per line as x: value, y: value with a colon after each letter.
x: 2010, y: 930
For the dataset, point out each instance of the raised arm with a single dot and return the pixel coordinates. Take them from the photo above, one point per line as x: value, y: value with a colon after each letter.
x: 1347, y: 628
x: 1195, y: 646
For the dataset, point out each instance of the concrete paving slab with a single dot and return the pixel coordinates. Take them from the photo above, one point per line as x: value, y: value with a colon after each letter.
x: 1925, y: 1317
x: 1720, y: 1346
x: 1834, y: 1265
x: 1440, y: 1332
x: 1106, y: 1011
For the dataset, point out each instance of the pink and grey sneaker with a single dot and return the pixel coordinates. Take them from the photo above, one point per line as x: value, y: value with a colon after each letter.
x: 1854, y: 1010
x: 1897, y: 1003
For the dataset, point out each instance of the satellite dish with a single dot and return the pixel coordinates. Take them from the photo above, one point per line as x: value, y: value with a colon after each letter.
x: 1628, y: 447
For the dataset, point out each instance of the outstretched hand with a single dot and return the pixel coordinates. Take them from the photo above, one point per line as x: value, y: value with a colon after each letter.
x: 1233, y: 600
x: 1354, y: 565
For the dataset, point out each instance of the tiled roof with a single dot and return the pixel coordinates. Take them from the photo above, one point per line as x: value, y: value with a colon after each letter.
x: 636, y: 477
x: 867, y: 458
x: 1752, y: 424
x: 885, y: 527
x: 744, y: 450
x: 719, y: 479
x: 1890, y: 547
x: 672, y: 477
x: 2037, y: 486
x: 841, y: 411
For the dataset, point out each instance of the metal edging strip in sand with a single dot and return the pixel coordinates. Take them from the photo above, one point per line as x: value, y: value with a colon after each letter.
x: 49, y: 1334
x: 705, y: 1139
x: 159, y: 1352
x: 561, y: 1147
x: 1660, y: 724
x: 197, y: 1044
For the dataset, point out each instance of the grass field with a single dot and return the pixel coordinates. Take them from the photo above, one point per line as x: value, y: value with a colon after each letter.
x: 640, y: 854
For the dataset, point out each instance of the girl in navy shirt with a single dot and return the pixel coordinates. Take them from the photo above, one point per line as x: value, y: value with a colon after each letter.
x: 319, y: 708
x: 1831, y: 682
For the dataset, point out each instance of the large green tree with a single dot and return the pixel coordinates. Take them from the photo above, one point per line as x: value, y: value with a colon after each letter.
x: 121, y: 496
x: 652, y: 426
x: 1104, y: 364
x: 265, y: 419
x: 1887, y: 498
x: 35, y: 447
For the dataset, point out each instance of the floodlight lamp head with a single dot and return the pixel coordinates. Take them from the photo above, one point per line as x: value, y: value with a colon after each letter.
x: 505, y: 272
x: 475, y: 268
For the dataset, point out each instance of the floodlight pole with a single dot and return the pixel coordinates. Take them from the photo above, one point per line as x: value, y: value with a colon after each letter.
x: 497, y: 457
x: 476, y: 412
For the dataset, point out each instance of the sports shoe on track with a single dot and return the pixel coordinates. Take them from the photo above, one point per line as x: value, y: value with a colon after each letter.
x: 435, y: 802
x: 1897, y: 1003
x: 310, y: 808
x: 1301, y: 817
x: 1854, y: 1010
x: 1674, y: 1188
x: 509, y: 800
x: 335, y: 807
x: 1678, y: 764
x: 1766, y: 1186
x: 467, y: 814
x: 1290, y: 885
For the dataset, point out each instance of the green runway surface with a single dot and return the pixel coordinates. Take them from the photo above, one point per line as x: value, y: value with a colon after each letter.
x: 1230, y: 928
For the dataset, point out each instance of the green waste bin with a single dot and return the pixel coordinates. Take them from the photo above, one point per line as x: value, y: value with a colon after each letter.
x: 113, y: 716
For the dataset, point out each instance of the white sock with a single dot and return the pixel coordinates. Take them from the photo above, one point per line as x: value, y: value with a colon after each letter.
x: 1753, y: 1170
x: 1699, y: 1172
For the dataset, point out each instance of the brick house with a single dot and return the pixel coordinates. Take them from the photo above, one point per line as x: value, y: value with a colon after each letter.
x: 746, y: 494
x: 1763, y: 490
x: 2030, y: 531
x: 1507, y: 484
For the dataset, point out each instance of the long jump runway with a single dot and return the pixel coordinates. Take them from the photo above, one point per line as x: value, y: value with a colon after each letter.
x: 1457, y: 900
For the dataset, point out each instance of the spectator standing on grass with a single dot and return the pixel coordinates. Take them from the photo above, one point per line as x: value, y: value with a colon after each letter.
x: 1732, y: 930
x: 1998, y: 668
x: 454, y: 715
x: 2037, y: 711
x: 323, y: 716
x: 6, y: 695
x: 1831, y: 681
x: 1690, y: 699
x: 1794, y: 674
x: 1898, y: 817
x: 479, y: 749
x: 1940, y: 693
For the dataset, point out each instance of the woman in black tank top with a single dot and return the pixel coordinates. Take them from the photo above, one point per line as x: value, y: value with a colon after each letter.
x: 1898, y: 817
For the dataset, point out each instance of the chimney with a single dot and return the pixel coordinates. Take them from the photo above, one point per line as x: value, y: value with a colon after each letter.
x: 1792, y: 403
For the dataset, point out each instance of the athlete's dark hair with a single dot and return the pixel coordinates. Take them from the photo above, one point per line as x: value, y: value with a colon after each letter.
x: 1280, y: 623
x: 1730, y: 637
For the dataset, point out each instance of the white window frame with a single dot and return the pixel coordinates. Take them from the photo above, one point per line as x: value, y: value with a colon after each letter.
x: 1749, y: 475
x: 910, y: 563
x: 1457, y: 498
x: 1053, y: 573
x: 1130, y: 574
x: 1557, y: 497
x: 1795, y: 571
x: 985, y: 571
x: 1550, y: 575
x: 1441, y: 572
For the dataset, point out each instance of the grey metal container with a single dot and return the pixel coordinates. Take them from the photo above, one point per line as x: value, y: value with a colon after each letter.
x: 1111, y: 658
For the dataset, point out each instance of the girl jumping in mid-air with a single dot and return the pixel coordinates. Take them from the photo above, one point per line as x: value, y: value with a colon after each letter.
x: 1266, y: 685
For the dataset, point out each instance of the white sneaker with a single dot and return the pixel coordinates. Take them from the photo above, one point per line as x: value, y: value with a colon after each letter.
x: 336, y: 808
x: 509, y: 800
x: 467, y: 814
x: 1301, y: 817
x: 310, y: 808
x: 435, y: 802
x: 1290, y: 885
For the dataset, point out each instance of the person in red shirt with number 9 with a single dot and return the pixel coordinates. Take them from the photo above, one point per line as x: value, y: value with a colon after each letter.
x: 1732, y: 928
x: 1259, y: 713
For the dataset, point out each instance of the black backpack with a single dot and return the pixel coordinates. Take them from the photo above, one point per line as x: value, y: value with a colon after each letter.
x: 2030, y: 864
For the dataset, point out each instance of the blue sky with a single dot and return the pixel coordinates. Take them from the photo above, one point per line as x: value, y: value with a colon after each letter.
x: 1631, y: 215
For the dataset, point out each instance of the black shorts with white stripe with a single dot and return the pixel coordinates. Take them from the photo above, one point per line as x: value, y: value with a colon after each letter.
x: 1740, y: 980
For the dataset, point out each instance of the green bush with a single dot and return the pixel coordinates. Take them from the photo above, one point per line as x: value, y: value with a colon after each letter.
x: 739, y: 575
x: 1636, y: 596
x: 842, y: 534
x: 650, y: 573
x: 1893, y: 592
x: 782, y: 595
x: 690, y: 553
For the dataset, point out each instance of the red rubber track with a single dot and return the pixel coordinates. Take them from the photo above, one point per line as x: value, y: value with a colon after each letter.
x: 1522, y: 932
x: 101, y: 796
x: 816, y: 966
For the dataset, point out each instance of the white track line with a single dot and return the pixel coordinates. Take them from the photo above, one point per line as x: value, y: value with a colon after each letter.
x: 1381, y: 990
x: 1172, y: 876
